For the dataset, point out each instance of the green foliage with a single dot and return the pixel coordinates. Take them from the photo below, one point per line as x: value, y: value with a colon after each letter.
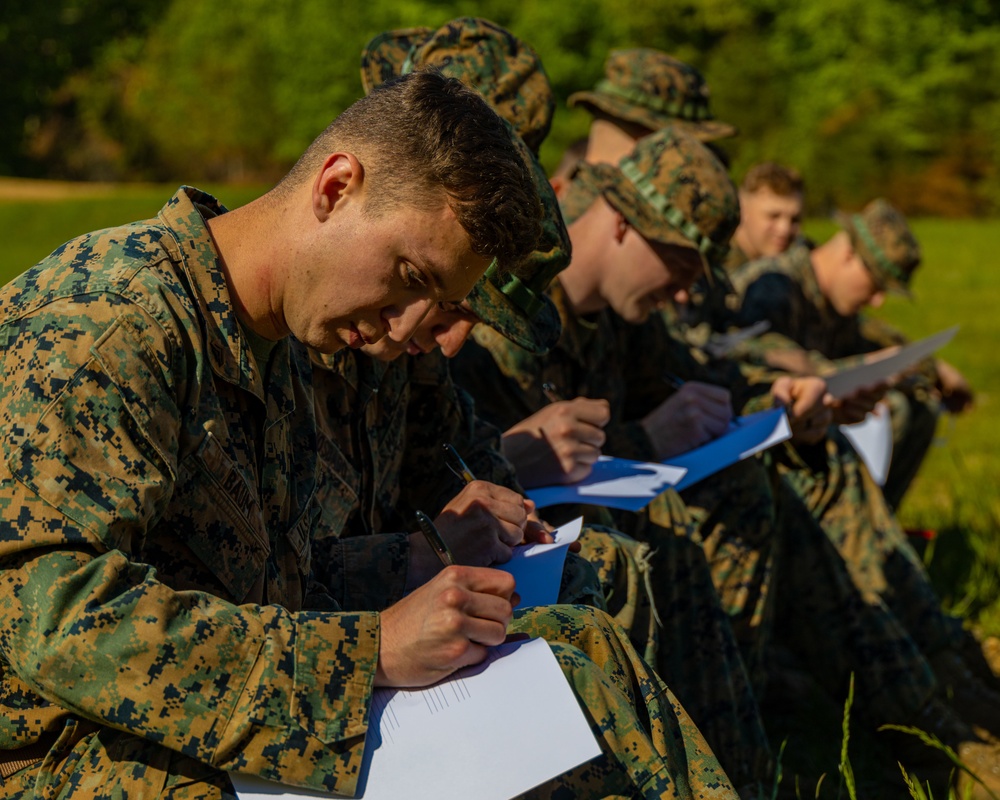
x: 41, y: 46
x: 867, y: 97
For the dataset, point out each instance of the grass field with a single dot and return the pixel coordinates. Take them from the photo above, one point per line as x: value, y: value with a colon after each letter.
x: 956, y: 493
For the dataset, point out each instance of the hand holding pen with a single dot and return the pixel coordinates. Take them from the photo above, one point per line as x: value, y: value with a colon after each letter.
x: 560, y: 442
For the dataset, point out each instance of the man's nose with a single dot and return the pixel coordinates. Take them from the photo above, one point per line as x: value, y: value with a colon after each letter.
x: 403, y: 323
x: 454, y: 335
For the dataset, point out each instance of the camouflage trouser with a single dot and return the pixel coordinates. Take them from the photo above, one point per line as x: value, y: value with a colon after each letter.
x: 92, y: 763
x: 836, y: 627
x: 580, y: 584
x: 734, y: 514
x: 650, y: 747
x: 838, y: 490
x: 914, y: 422
x: 660, y: 590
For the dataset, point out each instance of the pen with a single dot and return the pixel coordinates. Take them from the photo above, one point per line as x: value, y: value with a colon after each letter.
x: 434, y: 539
x: 457, y: 465
x: 549, y: 390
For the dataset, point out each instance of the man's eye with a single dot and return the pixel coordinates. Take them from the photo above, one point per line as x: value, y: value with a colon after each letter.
x: 448, y: 306
x: 412, y: 276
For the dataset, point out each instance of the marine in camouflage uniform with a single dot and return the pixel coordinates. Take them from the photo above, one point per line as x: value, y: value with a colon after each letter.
x: 829, y: 476
x: 742, y: 543
x: 644, y: 88
x: 160, y: 492
x: 684, y: 621
x: 784, y: 291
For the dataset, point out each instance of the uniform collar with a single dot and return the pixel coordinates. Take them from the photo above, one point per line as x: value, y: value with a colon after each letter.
x: 228, y: 350
x: 577, y: 331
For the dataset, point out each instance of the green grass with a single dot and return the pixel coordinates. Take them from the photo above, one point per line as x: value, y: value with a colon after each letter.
x: 31, y: 229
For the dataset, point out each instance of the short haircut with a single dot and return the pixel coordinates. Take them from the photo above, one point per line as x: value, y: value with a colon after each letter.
x: 422, y: 139
x: 784, y: 181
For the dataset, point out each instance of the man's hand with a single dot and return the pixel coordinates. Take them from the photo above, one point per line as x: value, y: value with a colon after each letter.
x: 855, y: 407
x: 443, y: 625
x: 559, y: 443
x: 956, y: 392
x: 480, y: 525
x: 807, y: 404
x: 694, y: 414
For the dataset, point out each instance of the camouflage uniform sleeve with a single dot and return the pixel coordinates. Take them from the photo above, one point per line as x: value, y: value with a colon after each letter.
x: 770, y: 298
x: 504, y: 379
x: 89, y: 434
x: 748, y: 383
x: 363, y: 572
x: 439, y: 411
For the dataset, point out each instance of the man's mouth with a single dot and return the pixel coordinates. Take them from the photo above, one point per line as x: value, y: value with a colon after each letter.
x: 357, y: 339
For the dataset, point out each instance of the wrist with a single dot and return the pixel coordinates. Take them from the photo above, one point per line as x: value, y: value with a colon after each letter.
x: 422, y: 563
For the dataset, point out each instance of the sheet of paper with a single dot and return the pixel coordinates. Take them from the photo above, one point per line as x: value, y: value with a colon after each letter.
x: 872, y: 439
x: 848, y: 381
x: 746, y: 436
x: 537, y: 568
x: 490, y: 732
x: 722, y: 344
x: 614, y: 483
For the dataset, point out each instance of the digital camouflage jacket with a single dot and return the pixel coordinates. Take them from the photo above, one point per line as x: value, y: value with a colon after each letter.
x: 158, y: 492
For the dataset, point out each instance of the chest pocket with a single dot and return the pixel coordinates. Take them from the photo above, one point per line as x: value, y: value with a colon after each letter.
x: 217, y: 514
x: 338, y: 488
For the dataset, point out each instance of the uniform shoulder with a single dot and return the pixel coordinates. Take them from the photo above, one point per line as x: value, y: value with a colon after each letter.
x: 787, y: 265
x: 109, y: 261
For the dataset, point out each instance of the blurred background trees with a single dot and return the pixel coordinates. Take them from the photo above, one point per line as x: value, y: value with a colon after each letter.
x: 867, y: 97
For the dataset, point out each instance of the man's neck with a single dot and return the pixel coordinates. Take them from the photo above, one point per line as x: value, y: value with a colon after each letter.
x: 741, y: 240
x: 581, y: 280
x: 607, y: 143
x: 246, y: 243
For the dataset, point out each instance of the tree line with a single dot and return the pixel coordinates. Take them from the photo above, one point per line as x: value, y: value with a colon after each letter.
x: 899, y: 98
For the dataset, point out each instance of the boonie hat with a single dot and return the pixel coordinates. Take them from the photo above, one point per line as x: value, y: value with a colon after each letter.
x: 672, y: 189
x: 654, y: 90
x: 509, y: 75
x: 880, y: 235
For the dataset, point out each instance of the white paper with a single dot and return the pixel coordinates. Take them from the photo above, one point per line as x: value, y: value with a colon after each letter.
x: 722, y: 344
x: 872, y: 439
x: 537, y: 568
x: 848, y: 381
x: 489, y: 732
x: 614, y: 483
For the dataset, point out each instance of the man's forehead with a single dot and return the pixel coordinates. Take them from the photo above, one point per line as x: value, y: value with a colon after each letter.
x: 767, y: 195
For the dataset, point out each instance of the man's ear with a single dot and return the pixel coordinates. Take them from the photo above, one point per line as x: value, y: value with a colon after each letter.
x: 621, y: 227
x: 340, y: 178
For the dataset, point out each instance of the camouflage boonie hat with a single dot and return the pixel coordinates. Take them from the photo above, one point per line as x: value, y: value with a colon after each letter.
x: 509, y: 75
x: 673, y: 190
x: 501, y: 67
x: 655, y: 90
x: 885, y: 243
